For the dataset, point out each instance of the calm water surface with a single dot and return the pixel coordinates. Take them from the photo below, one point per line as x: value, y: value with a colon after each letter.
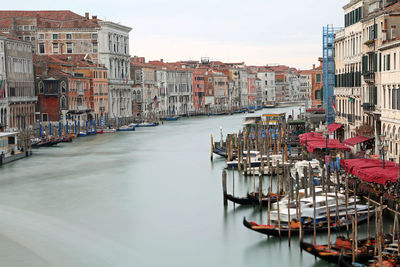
x: 146, y: 198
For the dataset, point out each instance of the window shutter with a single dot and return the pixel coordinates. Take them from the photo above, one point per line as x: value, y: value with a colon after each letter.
x: 375, y: 62
x: 374, y: 95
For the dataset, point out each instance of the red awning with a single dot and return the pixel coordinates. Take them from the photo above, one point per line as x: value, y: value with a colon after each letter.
x: 356, y: 140
x: 317, y: 141
x: 334, y: 126
x: 371, y: 170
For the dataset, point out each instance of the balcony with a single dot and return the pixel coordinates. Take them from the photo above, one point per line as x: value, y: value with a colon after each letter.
x: 368, y: 107
x: 81, y: 92
x: 369, y: 76
x: 350, y: 118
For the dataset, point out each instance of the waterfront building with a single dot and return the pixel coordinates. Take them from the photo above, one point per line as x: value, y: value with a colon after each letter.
x: 243, y: 87
x: 220, y: 81
x: 65, y: 88
x: 267, y: 82
x: 144, y: 79
x: 348, y: 54
x: 316, y: 95
x: 162, y: 87
x: 17, y: 91
x: 252, y: 88
x: 114, y: 54
x: 259, y: 93
x: 305, y: 78
x: 199, y: 88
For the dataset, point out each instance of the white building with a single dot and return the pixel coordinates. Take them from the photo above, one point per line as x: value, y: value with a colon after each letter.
x: 267, y: 78
x: 114, y: 54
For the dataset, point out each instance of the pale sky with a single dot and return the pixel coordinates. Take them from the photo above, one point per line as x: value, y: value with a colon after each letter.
x: 257, y: 32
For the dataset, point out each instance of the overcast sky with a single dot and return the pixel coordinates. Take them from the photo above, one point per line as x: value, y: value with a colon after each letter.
x: 257, y: 32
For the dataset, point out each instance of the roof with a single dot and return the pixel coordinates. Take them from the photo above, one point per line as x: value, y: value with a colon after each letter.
x: 76, y: 60
x: 49, y: 19
x: 12, y: 37
x: 3, y: 134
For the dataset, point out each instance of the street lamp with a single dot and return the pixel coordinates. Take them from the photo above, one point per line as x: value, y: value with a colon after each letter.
x: 383, y: 148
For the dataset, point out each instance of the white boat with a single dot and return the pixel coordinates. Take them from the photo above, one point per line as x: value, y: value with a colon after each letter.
x: 307, y: 209
x: 299, y: 168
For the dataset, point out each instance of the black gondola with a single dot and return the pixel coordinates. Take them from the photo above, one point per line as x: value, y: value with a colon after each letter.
x: 335, y: 252
x: 272, y: 230
x: 252, y: 199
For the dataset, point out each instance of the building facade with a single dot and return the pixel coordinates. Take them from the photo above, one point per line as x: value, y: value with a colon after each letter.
x: 17, y: 91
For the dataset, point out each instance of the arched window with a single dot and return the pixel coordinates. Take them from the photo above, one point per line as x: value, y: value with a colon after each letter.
x: 41, y: 87
x: 63, y: 87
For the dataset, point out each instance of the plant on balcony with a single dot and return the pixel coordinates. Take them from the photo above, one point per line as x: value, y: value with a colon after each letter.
x: 369, y: 42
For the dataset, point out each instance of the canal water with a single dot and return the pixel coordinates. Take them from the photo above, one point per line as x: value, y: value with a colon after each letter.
x: 145, y: 198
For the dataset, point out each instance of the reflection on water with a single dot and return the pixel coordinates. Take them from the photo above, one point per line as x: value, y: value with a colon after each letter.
x: 147, y: 198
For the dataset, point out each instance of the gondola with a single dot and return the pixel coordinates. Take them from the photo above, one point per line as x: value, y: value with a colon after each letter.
x: 308, y: 228
x: 220, y: 151
x: 252, y: 199
x: 340, y: 249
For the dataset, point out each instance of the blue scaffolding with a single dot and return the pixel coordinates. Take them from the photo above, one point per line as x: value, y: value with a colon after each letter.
x: 328, y: 71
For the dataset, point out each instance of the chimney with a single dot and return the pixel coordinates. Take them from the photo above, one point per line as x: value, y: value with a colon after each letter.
x: 37, y: 19
x: 87, y: 15
x: 313, y: 66
x: 162, y: 60
x: 94, y: 17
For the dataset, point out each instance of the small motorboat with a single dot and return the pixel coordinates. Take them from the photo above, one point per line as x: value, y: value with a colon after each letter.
x: 146, y: 124
x: 126, y: 128
x: 82, y: 134
x: 174, y: 118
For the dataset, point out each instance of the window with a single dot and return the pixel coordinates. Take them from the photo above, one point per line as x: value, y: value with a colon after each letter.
x: 27, y: 38
x: 41, y: 48
x: 69, y: 48
x: 32, y: 27
x: 44, y: 117
x: 68, y: 36
x: 20, y: 28
x: 26, y: 28
x: 95, y: 47
x: 41, y: 36
x: 55, y: 48
x: 55, y: 36
x: 41, y: 87
x: 318, y: 78
x: 63, y: 87
x: 63, y: 102
x: 33, y: 38
x: 94, y: 36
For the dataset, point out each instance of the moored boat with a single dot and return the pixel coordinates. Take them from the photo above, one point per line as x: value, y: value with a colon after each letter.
x: 252, y: 199
x: 342, y: 246
x: 126, y: 128
x: 146, y: 124
x: 307, y: 228
x: 173, y: 118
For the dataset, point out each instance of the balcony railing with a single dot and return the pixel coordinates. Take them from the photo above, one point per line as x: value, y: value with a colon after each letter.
x: 369, y: 76
x: 368, y: 107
